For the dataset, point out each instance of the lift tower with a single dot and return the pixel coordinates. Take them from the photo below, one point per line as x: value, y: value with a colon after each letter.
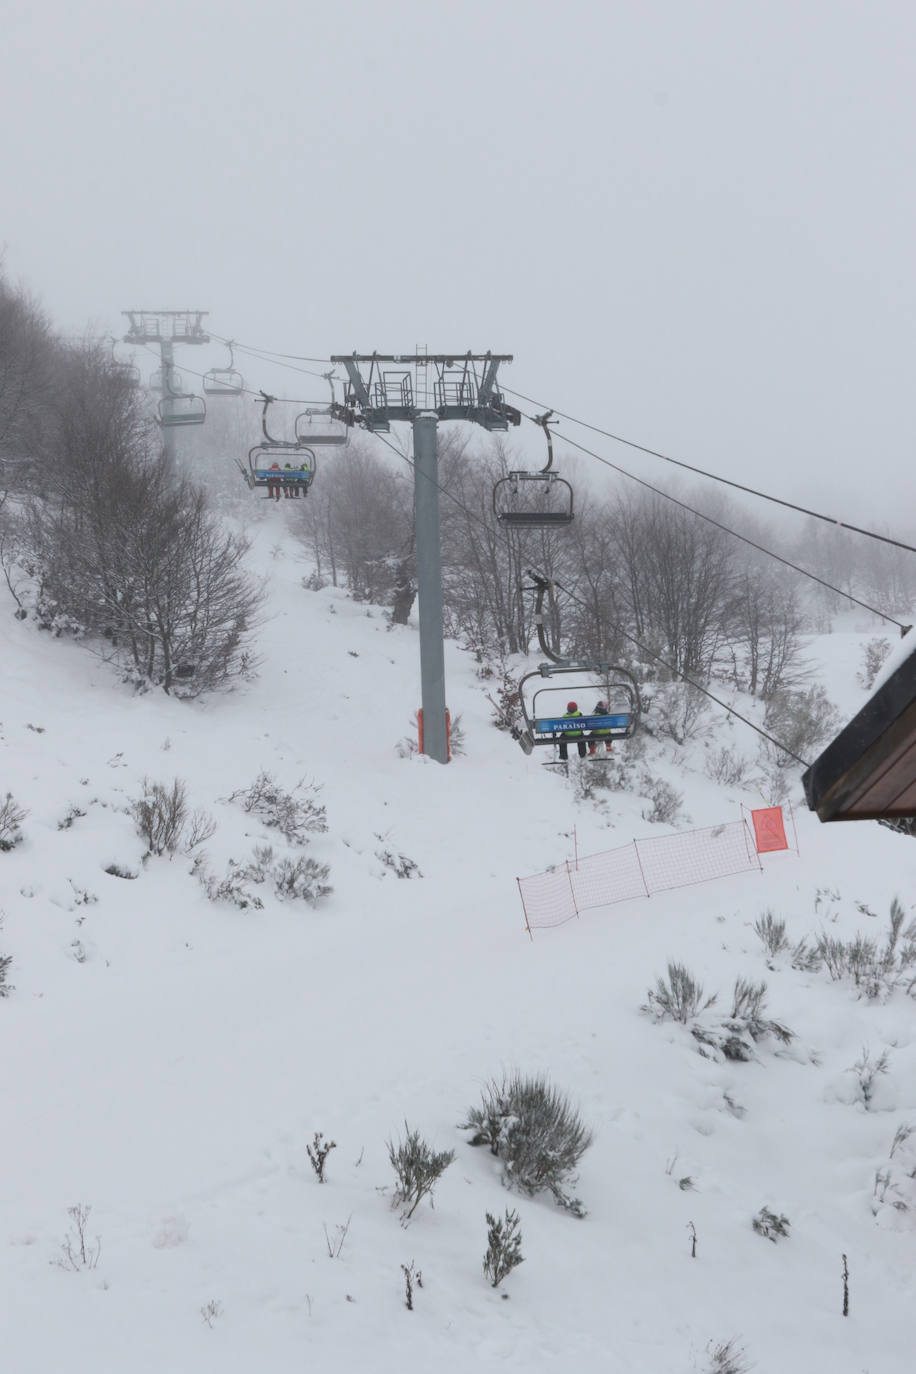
x: 166, y: 328
x: 423, y: 389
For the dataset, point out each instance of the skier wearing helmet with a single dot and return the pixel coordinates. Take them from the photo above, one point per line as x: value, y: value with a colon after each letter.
x: 571, y: 710
x: 600, y: 710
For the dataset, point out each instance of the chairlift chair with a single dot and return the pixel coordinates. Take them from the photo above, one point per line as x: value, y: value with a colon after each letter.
x: 181, y: 409
x: 299, y: 475
x: 534, y: 500
x: 543, y: 708
x: 316, y: 428
x: 127, y: 373
x: 324, y: 426
x: 261, y: 472
x: 224, y: 381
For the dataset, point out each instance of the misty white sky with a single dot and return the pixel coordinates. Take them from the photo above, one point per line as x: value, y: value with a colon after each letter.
x: 692, y: 221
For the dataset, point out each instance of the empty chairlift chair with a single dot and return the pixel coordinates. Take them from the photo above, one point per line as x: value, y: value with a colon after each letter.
x: 534, y: 500
x: 224, y: 381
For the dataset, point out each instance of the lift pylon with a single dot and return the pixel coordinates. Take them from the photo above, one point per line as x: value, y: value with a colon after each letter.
x: 421, y: 389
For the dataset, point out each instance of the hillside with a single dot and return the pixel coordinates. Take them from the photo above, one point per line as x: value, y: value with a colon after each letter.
x: 168, y: 1058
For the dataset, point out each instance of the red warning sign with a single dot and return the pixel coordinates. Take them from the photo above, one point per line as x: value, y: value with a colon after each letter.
x: 769, y: 830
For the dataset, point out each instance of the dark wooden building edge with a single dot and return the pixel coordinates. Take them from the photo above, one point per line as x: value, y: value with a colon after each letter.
x: 869, y: 771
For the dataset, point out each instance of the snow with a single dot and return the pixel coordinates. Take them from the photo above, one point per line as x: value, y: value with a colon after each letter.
x: 902, y: 650
x: 167, y: 1059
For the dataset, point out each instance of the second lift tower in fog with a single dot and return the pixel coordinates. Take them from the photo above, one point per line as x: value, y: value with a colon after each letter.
x: 423, y: 389
x: 166, y: 328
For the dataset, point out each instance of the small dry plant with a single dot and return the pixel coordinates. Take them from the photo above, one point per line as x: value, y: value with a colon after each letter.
x: 318, y: 1152
x: 76, y: 1250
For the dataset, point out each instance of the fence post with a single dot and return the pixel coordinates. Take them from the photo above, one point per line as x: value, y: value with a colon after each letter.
x: 572, y: 890
x: 521, y: 893
x: 641, y: 870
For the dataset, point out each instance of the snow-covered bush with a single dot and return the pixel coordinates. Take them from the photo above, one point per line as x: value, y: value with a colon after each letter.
x: 678, y: 999
x: 504, y: 1247
x: 874, y: 968
x: 772, y: 932
x: 160, y: 815
x: 867, y: 1072
x: 399, y: 864
x: 11, y: 817
x: 801, y: 720
x: 771, y: 1225
x: 302, y: 879
x: 666, y: 801
x: 873, y: 655
x: 678, y: 712
x: 736, y: 1036
x: 727, y: 767
x: 232, y: 887
x: 895, y: 1184
x: 727, y: 1358
x: 6, y: 962
x: 418, y: 1168
x: 296, y: 813
x: 536, y: 1132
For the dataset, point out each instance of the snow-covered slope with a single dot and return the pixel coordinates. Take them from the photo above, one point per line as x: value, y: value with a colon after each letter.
x: 166, y: 1059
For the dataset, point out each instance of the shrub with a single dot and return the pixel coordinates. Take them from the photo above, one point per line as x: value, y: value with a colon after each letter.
x: 73, y: 813
x: 11, y: 817
x: 76, y: 1250
x: 800, y: 720
x: 726, y: 1359
x: 160, y: 815
x: 230, y: 888
x: 772, y: 932
x: 301, y: 879
x: 535, y: 1131
x: 6, y: 962
x: 680, y: 999
x: 504, y: 1247
x: 418, y: 1168
x: 867, y: 1071
x: 873, y: 655
x: 666, y: 801
x: 296, y: 813
x: 318, y: 1152
x: 399, y: 864
x: 726, y: 767
x: 677, y: 712
x: 768, y: 1224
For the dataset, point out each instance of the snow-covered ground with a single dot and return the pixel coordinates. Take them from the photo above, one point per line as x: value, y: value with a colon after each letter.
x: 166, y: 1059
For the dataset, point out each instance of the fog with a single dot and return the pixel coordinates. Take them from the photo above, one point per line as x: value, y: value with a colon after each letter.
x: 691, y: 221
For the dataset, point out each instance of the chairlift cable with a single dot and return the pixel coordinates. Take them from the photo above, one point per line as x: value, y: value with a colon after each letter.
x: 245, y: 390
x: 715, y: 477
x: 730, y: 710
x: 761, y: 548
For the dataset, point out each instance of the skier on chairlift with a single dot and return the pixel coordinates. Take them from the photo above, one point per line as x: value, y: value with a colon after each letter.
x: 600, y: 710
x: 571, y: 711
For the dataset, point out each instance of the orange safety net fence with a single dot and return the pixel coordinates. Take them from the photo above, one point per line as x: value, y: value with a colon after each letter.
x: 639, y: 869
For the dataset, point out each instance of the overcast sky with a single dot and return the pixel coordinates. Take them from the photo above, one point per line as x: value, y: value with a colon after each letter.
x: 691, y: 221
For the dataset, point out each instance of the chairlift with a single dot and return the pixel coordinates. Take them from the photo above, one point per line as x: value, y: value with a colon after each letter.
x: 289, y: 464
x: 534, y: 500
x: 179, y: 408
x: 128, y: 373
x: 224, y: 381
x: 324, y: 426
x: 545, y: 708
